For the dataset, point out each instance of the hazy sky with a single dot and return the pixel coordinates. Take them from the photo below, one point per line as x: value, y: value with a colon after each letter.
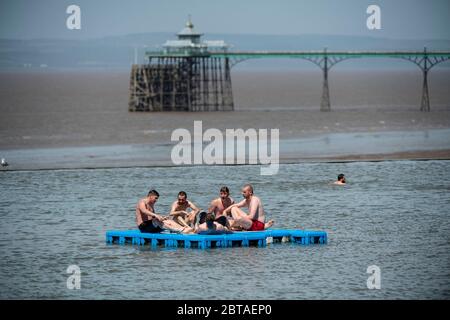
x: 411, y: 19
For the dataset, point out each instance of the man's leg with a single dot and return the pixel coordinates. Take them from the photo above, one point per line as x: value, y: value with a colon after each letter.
x: 182, y: 222
x: 168, y: 224
x: 237, y: 213
x: 234, y: 226
x: 268, y: 224
x: 241, y: 219
x: 173, y: 226
x: 190, y: 218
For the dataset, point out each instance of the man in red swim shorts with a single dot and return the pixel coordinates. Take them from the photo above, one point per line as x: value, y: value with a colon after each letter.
x: 257, y: 226
x: 255, y: 219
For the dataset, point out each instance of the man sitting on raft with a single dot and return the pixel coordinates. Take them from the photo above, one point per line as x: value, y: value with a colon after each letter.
x: 255, y: 219
x: 150, y: 222
x: 218, y: 205
x: 179, y: 210
x: 210, y: 226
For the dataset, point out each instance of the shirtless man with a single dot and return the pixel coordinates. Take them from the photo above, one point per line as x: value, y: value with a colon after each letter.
x: 150, y: 222
x: 210, y: 226
x: 255, y: 219
x: 218, y: 205
x: 179, y: 210
x: 340, y: 179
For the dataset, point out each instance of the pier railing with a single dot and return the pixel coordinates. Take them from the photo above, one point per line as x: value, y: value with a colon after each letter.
x: 324, y: 59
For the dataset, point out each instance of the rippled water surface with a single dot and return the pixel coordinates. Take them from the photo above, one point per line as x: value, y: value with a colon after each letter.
x: 391, y: 214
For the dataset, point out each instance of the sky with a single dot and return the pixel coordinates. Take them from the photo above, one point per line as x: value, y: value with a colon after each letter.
x: 400, y: 19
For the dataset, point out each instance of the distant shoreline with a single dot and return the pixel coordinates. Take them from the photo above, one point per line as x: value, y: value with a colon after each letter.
x: 441, y: 155
x: 329, y: 148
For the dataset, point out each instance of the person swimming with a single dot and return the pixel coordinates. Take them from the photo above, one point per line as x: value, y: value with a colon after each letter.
x: 340, y: 179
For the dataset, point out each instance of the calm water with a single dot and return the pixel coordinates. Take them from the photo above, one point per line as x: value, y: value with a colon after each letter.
x: 391, y: 214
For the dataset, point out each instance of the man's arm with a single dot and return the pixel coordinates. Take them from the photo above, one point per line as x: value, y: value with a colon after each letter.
x: 176, y: 213
x: 212, y: 206
x: 239, y: 205
x: 253, y: 208
x: 194, y: 208
x: 149, y: 213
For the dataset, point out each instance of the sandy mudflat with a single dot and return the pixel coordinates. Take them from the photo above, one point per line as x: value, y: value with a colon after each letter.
x: 82, y: 109
x: 407, y: 155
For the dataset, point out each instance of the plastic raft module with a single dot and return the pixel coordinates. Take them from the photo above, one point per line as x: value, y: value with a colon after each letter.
x: 203, y: 241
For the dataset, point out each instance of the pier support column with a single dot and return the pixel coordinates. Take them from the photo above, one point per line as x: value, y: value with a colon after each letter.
x: 325, y: 102
x: 425, y: 103
x: 229, y: 105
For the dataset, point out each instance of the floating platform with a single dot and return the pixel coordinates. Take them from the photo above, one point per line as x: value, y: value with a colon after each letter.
x: 203, y: 241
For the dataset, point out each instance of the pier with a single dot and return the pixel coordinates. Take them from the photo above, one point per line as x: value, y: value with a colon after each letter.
x: 191, y: 75
x: 183, y: 77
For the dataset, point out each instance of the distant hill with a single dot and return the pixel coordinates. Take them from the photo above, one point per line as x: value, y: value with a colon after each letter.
x: 119, y: 51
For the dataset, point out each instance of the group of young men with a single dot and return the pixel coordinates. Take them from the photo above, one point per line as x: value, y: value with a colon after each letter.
x: 223, y: 215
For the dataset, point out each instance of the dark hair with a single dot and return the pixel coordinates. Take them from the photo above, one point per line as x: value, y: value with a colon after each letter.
x: 248, y: 185
x: 225, y: 189
x: 153, y: 192
x: 340, y: 177
x: 210, y: 220
x: 182, y: 193
x: 202, y: 217
x: 222, y: 220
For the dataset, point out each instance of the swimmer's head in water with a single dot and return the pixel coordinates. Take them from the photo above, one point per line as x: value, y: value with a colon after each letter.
x: 341, y: 178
